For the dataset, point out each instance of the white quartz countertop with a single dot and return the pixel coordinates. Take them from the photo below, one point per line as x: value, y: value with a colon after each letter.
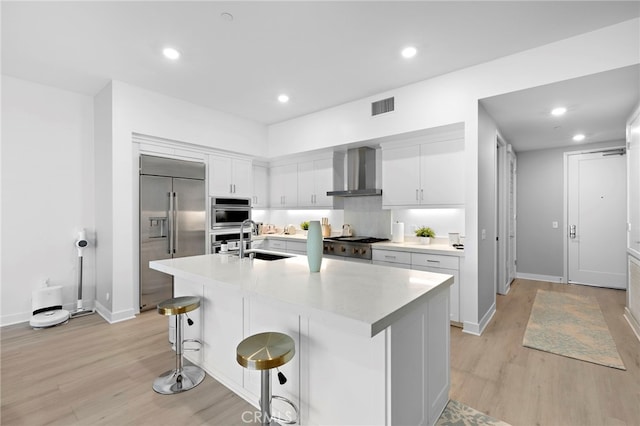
x: 365, y: 298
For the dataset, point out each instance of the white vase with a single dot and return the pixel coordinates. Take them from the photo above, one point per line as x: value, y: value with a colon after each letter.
x: 424, y: 240
x: 314, y: 246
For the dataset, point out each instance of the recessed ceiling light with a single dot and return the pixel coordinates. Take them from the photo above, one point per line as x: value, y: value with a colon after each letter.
x: 283, y: 98
x: 579, y: 137
x: 558, y: 111
x: 409, y: 52
x: 171, y: 53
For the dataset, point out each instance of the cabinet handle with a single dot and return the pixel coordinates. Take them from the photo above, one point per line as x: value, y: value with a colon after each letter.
x: 386, y: 256
x: 311, y: 198
x: 422, y: 195
x: 416, y: 195
x: 433, y: 261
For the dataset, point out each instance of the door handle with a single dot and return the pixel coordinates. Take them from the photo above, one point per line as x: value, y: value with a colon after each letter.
x: 170, y: 230
x: 175, y: 222
x: 572, y: 231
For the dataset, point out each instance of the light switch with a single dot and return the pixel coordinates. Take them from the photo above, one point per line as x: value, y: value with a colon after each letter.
x: 554, y: 225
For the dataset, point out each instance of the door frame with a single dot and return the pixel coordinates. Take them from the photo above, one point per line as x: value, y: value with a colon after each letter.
x: 501, y: 247
x: 565, y: 199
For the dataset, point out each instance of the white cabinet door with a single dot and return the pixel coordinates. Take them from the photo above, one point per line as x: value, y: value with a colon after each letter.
x: 241, y: 177
x: 454, y: 290
x: 284, y: 186
x: 306, y: 184
x: 230, y: 176
x: 323, y: 178
x: 442, y: 173
x: 260, y: 187
x: 401, y: 176
x: 315, y: 179
x: 219, y: 175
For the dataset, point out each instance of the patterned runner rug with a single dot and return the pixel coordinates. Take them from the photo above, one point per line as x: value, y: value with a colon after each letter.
x: 458, y: 414
x: 572, y: 326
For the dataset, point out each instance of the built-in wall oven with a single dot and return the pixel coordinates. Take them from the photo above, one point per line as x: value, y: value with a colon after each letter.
x: 229, y: 212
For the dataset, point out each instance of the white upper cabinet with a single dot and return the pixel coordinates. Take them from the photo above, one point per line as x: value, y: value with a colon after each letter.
x: 423, y: 174
x: 315, y: 179
x: 260, y: 198
x: 283, y: 186
x: 230, y: 176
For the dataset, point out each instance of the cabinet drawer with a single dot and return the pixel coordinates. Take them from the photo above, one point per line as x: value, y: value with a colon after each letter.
x: 434, y: 260
x: 391, y: 256
x: 277, y: 245
x: 296, y: 247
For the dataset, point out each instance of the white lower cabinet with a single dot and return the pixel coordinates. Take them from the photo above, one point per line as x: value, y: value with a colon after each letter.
x: 442, y: 264
x: 294, y: 247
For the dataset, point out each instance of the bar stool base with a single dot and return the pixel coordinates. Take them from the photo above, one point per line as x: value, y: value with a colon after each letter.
x: 170, y: 382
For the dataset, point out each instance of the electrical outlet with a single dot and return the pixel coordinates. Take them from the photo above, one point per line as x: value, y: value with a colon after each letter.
x: 483, y: 234
x: 554, y: 224
x: 107, y: 296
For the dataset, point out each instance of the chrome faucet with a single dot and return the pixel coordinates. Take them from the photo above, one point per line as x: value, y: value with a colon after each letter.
x: 241, y: 248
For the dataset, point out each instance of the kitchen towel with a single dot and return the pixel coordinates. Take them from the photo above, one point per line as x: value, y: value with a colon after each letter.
x: 397, y: 232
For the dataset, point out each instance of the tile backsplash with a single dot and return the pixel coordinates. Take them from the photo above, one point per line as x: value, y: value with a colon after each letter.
x: 367, y: 218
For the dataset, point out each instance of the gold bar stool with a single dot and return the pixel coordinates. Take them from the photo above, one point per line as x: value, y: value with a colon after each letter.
x: 263, y: 352
x: 183, y: 377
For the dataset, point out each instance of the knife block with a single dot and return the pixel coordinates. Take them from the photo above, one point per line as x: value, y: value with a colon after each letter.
x: 326, y: 230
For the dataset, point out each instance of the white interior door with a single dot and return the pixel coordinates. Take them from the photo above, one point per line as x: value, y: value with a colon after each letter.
x: 596, y: 219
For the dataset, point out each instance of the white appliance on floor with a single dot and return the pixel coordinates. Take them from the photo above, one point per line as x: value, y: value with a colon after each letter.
x: 46, y: 307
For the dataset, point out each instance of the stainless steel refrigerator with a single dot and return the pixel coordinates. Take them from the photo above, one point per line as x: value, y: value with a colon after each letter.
x: 172, y: 220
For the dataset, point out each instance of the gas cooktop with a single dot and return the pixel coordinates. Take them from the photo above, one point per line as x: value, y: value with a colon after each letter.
x: 361, y: 240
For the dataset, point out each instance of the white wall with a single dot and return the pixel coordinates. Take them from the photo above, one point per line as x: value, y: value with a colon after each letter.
x: 454, y: 98
x: 47, y: 193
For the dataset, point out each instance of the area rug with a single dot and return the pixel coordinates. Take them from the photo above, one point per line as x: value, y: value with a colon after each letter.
x: 572, y: 326
x: 458, y: 414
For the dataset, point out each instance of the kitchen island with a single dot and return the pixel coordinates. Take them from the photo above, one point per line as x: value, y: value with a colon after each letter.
x: 372, y: 342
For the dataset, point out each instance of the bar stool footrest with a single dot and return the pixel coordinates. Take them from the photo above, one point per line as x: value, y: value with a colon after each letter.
x: 193, y: 349
x: 291, y: 404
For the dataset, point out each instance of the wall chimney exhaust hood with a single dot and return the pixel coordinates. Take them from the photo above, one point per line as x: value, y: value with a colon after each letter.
x: 361, y: 174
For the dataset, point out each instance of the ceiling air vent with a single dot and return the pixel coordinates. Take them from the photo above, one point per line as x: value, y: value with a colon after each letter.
x: 381, y: 107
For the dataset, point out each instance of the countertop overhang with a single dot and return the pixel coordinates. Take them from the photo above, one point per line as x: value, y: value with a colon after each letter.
x: 366, y: 298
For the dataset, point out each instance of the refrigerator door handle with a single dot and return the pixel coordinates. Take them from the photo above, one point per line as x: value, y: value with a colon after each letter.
x: 171, y: 219
x: 175, y: 222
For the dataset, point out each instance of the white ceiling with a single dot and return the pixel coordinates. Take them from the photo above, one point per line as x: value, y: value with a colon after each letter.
x: 597, y: 106
x: 321, y: 53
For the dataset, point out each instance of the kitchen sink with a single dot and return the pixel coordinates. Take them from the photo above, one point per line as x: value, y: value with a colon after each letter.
x: 265, y: 255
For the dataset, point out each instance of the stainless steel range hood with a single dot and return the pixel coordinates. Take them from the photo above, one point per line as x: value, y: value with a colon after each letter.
x: 361, y: 174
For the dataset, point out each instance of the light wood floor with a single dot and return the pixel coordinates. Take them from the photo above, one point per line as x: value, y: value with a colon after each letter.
x: 88, y: 372
x: 495, y: 374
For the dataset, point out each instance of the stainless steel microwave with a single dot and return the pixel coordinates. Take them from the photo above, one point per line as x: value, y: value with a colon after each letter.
x: 229, y: 212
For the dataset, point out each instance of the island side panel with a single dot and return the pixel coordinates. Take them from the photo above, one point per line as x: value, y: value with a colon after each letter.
x: 344, y: 379
x: 418, y: 363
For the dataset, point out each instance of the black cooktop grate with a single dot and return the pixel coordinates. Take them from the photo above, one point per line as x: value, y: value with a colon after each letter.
x: 361, y: 240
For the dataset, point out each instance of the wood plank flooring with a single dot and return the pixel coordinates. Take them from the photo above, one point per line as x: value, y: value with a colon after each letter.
x: 495, y: 374
x: 88, y: 372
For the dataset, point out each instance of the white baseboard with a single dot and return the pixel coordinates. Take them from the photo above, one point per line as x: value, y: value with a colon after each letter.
x: 537, y: 277
x: 633, y: 323
x: 114, y: 317
x: 478, y: 328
